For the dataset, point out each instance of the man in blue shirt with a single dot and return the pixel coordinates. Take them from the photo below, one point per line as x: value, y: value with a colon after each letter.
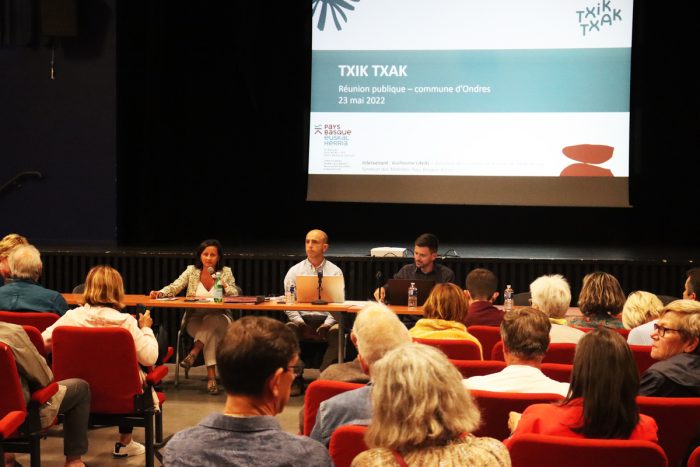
x: 257, y: 360
x: 22, y: 292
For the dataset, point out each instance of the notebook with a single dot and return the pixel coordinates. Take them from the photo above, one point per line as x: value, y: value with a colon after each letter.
x: 332, y: 289
x: 397, y: 291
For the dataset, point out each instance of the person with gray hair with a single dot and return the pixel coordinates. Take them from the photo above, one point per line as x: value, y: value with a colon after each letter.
x: 376, y: 331
x: 22, y: 292
x: 525, y: 334
x: 421, y: 415
x: 552, y: 295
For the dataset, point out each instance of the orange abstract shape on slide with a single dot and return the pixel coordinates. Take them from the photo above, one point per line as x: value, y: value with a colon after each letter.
x: 585, y: 170
x: 588, y: 154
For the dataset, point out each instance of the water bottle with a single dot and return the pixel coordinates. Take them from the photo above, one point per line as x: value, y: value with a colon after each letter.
x: 413, y: 295
x: 218, y: 289
x: 290, y: 294
x: 508, y: 298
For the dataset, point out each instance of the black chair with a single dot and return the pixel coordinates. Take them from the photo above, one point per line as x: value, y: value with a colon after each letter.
x: 666, y: 299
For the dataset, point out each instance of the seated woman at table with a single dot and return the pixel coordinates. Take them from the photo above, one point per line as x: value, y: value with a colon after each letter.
x: 601, y: 300
x: 601, y: 402
x: 444, y: 313
x: 103, y: 301
x: 205, y: 326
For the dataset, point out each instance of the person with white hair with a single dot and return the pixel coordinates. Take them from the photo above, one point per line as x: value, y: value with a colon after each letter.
x: 376, y: 331
x: 22, y: 291
x: 552, y: 295
x: 640, y: 313
x: 421, y: 414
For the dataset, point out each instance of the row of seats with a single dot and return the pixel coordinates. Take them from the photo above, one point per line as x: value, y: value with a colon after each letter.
x: 671, y: 415
x: 533, y: 450
x: 110, y: 367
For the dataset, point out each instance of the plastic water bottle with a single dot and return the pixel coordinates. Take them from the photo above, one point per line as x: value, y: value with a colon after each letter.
x: 290, y: 294
x: 412, y: 296
x: 508, y: 298
x: 218, y: 289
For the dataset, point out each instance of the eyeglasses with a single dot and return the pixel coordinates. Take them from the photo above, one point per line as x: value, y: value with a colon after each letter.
x: 661, y: 331
x: 297, y: 369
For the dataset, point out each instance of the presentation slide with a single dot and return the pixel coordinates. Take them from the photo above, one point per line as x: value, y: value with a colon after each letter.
x: 462, y: 102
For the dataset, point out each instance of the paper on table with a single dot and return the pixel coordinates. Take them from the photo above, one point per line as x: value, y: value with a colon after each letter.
x: 166, y: 299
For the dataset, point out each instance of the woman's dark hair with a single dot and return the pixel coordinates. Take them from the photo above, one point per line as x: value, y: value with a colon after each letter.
x: 605, y: 377
x: 209, y: 242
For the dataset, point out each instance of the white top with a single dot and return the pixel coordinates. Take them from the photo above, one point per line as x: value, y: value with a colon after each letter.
x: 562, y: 334
x: 641, y: 335
x: 305, y: 268
x: 102, y: 317
x: 517, y: 378
x: 203, y: 292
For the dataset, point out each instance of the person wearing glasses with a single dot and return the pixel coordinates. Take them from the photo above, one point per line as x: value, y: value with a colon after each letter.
x: 675, y: 345
x: 257, y: 358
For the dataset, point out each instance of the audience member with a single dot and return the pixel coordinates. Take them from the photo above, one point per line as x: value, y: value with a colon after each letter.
x: 525, y: 335
x: 482, y: 292
x: 376, y: 331
x: 22, y: 292
x: 552, y: 295
x: 205, y: 326
x: 317, y: 325
x: 692, y: 284
x: 7, y: 244
x: 421, y: 414
x: 444, y: 313
x: 424, y: 267
x: 72, y: 400
x: 104, y: 300
x: 601, y: 301
x: 601, y: 402
x: 639, y: 314
x: 675, y: 345
x: 257, y: 360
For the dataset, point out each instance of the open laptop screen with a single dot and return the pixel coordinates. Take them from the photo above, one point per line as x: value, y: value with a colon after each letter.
x: 397, y: 291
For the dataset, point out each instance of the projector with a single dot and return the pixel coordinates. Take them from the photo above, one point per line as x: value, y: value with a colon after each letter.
x: 384, y: 251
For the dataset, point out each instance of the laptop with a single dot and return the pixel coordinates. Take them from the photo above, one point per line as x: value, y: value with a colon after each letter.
x: 332, y: 289
x: 397, y: 291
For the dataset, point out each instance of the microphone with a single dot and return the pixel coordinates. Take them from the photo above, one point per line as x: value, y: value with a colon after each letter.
x: 210, y: 270
x: 318, y: 301
x: 378, y: 282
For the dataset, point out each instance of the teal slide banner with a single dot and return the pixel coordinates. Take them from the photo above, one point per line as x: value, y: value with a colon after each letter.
x: 541, y: 80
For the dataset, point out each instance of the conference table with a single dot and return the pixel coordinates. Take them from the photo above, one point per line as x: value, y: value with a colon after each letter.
x: 339, y: 310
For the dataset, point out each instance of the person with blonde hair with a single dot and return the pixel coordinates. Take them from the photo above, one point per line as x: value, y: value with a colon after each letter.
x: 552, y: 295
x: 376, y: 331
x: 7, y: 244
x: 676, y: 339
x: 103, y: 301
x: 601, y: 300
x: 444, y: 313
x: 22, y: 291
x: 421, y: 414
x: 639, y: 314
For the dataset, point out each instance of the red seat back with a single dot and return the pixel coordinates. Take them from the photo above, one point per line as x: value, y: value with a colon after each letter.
x: 106, y: 359
x: 470, y: 368
x: 678, y: 419
x: 694, y: 460
x: 642, y: 356
x: 317, y: 392
x: 622, y: 331
x: 35, y: 337
x: 347, y: 441
x: 456, y: 349
x: 562, y: 352
x: 557, y: 371
x: 530, y: 450
x: 488, y: 336
x: 41, y: 321
x: 11, y: 398
x: 495, y: 407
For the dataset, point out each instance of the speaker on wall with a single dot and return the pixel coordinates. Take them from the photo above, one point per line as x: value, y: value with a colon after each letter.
x: 59, y: 18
